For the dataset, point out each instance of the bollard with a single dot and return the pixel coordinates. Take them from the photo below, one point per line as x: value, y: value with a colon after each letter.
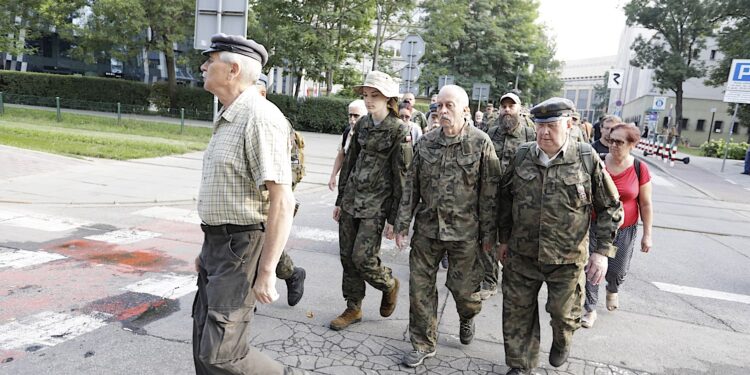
x: 182, y: 119
x: 57, y: 104
x: 118, y: 114
x: 2, y: 104
x: 674, y: 156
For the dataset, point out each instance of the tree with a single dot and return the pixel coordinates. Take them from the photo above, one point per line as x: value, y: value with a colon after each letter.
x: 734, y: 43
x: 135, y: 25
x: 681, y: 28
x: 393, y: 18
x: 313, y: 37
x: 490, y: 42
x: 601, y: 94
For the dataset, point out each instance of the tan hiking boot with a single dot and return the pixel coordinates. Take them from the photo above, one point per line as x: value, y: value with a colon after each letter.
x: 588, y: 319
x: 388, y: 303
x: 347, y: 318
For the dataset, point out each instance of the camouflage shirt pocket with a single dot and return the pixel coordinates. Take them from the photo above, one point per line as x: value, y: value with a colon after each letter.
x: 578, y: 189
x: 469, y: 167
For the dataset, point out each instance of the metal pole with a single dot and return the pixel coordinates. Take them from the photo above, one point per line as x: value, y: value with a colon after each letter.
x: 219, y: 10
x: 118, y: 114
x: 411, y: 54
x: 729, y: 134
x: 57, y: 104
x: 2, y: 104
x: 182, y: 119
x: 518, y: 69
x: 479, y: 102
x: 711, y: 126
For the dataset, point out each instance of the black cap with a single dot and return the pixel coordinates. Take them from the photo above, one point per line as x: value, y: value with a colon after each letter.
x: 238, y: 44
x: 552, y: 109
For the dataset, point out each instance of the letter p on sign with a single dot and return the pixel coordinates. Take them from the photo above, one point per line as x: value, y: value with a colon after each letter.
x: 742, y: 72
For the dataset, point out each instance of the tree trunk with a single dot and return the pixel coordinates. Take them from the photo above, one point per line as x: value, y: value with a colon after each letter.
x: 298, y: 84
x: 678, y: 111
x: 377, y: 40
x: 171, y: 74
x: 329, y: 81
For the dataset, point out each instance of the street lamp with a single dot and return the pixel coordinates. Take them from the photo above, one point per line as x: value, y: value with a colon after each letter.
x: 518, y: 67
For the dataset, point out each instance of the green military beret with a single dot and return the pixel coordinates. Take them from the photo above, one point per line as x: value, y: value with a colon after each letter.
x: 552, y: 109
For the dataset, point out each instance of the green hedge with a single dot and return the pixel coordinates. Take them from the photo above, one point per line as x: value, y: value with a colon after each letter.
x: 715, y: 148
x: 78, y: 88
x: 320, y: 115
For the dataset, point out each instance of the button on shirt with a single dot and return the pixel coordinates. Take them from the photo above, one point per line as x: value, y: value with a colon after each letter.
x: 249, y: 146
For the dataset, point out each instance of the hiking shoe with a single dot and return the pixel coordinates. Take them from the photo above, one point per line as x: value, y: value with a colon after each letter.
x: 444, y: 262
x: 295, y: 286
x: 388, y: 302
x: 558, y: 357
x: 416, y: 357
x: 466, y: 331
x: 588, y: 319
x: 488, y: 290
x: 347, y: 318
x: 517, y: 371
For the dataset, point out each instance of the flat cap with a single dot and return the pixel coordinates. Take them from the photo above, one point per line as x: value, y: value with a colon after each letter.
x: 238, y: 44
x: 552, y: 109
x: 262, y: 80
x: 512, y: 97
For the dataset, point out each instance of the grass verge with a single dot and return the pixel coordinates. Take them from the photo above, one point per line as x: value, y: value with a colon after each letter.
x: 692, y: 151
x: 92, y: 136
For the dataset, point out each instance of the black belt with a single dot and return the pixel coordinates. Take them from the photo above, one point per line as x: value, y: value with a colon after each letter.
x: 231, y: 228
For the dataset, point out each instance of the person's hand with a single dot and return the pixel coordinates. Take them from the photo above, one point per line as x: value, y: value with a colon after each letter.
x: 402, y: 239
x: 502, y: 253
x: 198, y: 264
x: 389, y: 231
x: 646, y: 243
x: 596, y: 269
x: 336, y: 213
x: 332, y: 183
x: 486, y: 247
x: 265, y: 287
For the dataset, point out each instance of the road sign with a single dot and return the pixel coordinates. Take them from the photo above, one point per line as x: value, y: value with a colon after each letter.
x: 660, y: 103
x: 480, y: 92
x: 616, y: 76
x: 738, y: 83
x: 218, y: 16
x: 618, y: 103
x: 445, y: 80
x: 411, y: 73
x: 412, y: 88
x: 412, y: 47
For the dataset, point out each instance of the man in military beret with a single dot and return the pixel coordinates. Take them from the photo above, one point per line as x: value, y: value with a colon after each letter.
x: 507, y: 133
x: 246, y: 205
x: 450, y: 186
x: 547, y: 195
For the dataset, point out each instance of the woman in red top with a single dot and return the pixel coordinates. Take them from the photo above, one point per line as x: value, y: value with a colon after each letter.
x: 635, y: 195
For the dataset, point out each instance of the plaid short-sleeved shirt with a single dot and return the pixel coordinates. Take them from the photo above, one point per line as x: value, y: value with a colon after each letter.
x: 250, y: 145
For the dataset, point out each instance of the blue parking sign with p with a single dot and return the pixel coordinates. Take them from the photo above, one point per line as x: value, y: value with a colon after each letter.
x: 742, y: 72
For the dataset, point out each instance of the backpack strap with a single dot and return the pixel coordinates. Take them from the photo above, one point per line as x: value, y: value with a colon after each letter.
x: 637, y: 166
x: 584, y: 150
x: 523, y: 149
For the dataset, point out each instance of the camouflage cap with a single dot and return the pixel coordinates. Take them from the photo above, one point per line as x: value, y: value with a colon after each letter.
x: 239, y: 45
x: 552, y: 109
x: 576, y: 116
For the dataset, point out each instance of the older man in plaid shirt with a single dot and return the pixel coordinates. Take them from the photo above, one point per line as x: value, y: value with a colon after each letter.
x: 246, y: 205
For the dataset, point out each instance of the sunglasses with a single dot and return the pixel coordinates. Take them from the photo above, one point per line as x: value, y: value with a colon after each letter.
x: 354, y: 115
x: 617, y: 142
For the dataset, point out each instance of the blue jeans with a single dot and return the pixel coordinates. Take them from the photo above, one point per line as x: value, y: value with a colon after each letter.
x: 747, y: 162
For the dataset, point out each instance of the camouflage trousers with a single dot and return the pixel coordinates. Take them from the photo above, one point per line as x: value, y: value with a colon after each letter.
x: 491, y: 268
x: 522, y: 279
x: 285, y: 267
x: 464, y: 277
x: 359, y: 245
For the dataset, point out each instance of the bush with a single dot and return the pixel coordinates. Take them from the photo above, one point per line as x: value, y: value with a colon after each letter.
x: 715, y: 148
x: 320, y: 115
x: 74, y: 88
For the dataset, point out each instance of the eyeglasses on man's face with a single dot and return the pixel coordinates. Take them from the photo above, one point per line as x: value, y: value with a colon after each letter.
x: 355, y: 115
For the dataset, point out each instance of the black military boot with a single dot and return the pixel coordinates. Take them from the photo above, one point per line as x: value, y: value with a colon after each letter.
x: 558, y: 357
x: 466, y: 331
x: 518, y: 371
x: 295, y: 286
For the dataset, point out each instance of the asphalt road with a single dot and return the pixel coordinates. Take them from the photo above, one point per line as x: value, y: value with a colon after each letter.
x: 76, y: 299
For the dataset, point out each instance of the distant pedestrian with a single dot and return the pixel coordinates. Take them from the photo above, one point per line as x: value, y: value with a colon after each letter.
x: 747, y: 162
x: 633, y: 183
x: 356, y: 110
x: 246, y: 206
x: 602, y: 144
x: 479, y: 121
x: 370, y: 187
x: 405, y: 114
x: 416, y: 116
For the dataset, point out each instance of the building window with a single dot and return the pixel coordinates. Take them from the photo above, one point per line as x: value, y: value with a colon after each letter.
x: 713, y: 54
x: 699, y: 126
x: 717, y: 126
x: 735, y: 128
x: 570, y: 95
x: 583, y: 100
x: 684, y: 124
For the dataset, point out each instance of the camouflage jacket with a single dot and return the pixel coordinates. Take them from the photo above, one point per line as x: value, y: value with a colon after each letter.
x: 545, y: 212
x: 419, y: 118
x: 374, y: 170
x: 451, y: 185
x: 506, y: 144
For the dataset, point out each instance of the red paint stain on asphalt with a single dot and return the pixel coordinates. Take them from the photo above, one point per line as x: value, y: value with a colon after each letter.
x: 104, y: 253
x: 126, y: 306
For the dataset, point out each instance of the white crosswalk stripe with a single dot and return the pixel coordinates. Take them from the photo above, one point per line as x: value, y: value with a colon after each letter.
x: 123, y: 236
x: 15, y: 258
x: 40, y: 222
x: 170, y: 286
x: 47, y: 329
x: 171, y: 213
x: 706, y: 293
x: 661, y: 181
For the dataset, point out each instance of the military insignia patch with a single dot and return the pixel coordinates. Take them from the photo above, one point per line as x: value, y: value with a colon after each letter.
x: 581, y: 191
